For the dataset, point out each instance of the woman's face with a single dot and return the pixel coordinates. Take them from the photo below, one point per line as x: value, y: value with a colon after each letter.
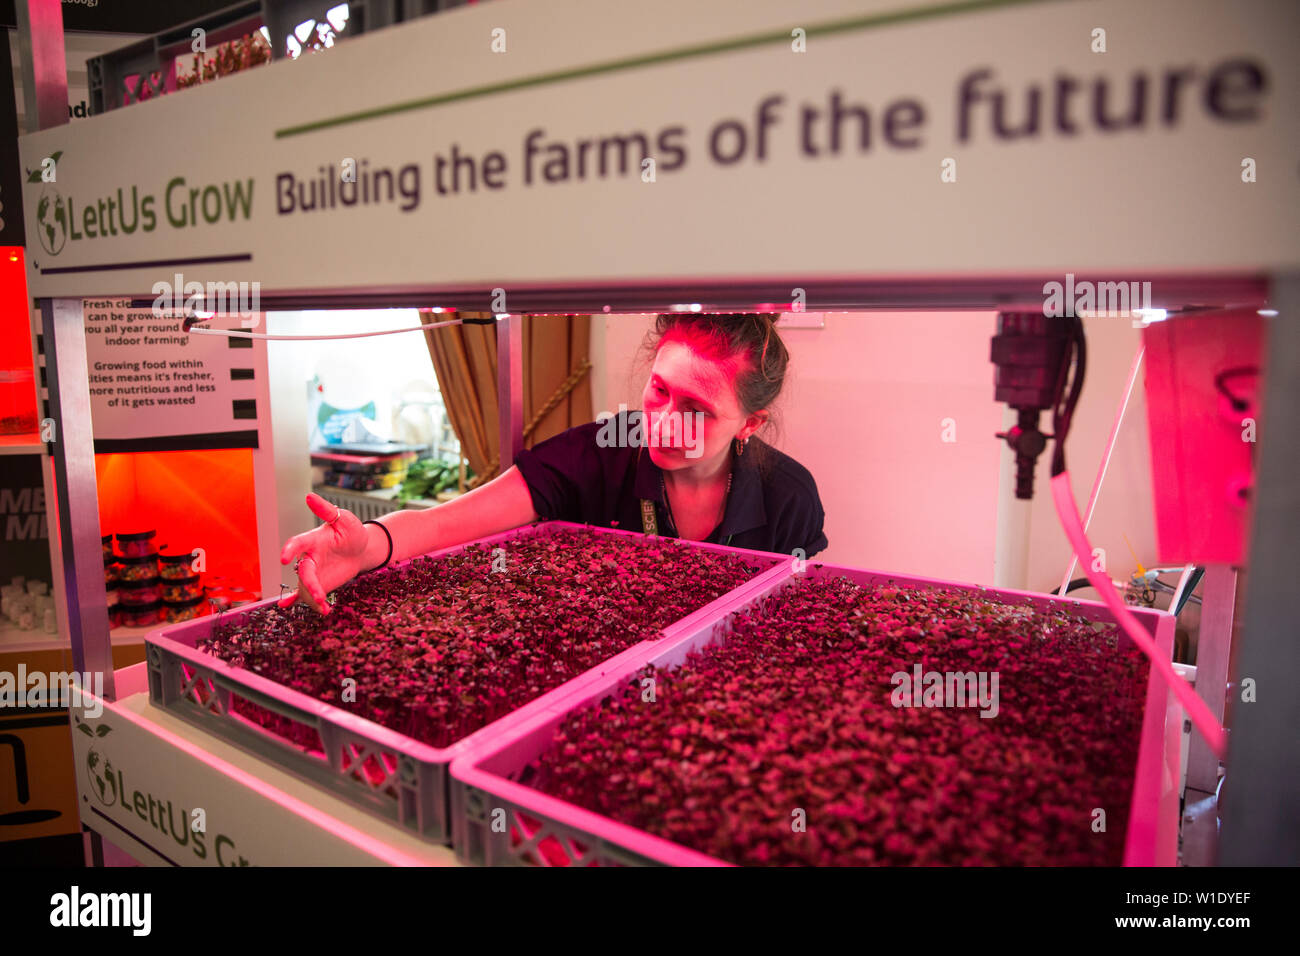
x: 691, y: 407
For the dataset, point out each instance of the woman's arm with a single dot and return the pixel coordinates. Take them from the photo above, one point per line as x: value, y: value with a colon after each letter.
x: 344, y: 547
x: 503, y: 503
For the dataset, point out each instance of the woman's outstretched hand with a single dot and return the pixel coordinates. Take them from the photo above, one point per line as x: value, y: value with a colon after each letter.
x: 326, y: 556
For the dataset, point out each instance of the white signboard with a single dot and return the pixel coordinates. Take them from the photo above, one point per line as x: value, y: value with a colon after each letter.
x: 167, y: 793
x: 149, y: 380
x: 583, y: 144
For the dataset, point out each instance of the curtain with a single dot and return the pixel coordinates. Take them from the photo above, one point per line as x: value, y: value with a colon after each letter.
x: 465, y: 362
x: 556, y: 373
x: 556, y: 348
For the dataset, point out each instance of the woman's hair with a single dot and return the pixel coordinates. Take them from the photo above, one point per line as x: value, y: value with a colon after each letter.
x: 750, y: 339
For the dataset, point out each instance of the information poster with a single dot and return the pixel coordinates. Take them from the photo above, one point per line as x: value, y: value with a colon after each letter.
x: 26, y: 549
x: 156, y: 387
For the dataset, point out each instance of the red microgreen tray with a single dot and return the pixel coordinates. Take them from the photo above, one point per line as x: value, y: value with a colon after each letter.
x: 429, y: 703
x: 502, y: 814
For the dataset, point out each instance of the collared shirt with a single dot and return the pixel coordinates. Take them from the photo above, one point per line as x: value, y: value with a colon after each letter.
x: 576, y: 477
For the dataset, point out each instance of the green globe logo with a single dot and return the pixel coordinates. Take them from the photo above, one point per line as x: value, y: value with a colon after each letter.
x: 102, y: 779
x: 52, y: 220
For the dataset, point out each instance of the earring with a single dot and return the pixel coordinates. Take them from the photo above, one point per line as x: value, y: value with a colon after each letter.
x: 740, y: 446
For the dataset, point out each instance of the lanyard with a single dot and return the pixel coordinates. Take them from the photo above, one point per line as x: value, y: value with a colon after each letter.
x: 649, y: 520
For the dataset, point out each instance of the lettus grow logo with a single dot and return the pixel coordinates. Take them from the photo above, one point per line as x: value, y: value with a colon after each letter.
x: 62, y: 217
x: 102, y: 777
x: 51, y: 210
x: 99, y: 768
x: 186, y: 827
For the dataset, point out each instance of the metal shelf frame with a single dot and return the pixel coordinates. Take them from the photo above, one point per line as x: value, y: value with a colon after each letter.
x: 1259, y: 824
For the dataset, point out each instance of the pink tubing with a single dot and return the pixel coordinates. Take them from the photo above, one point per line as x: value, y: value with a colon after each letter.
x: 1197, y: 710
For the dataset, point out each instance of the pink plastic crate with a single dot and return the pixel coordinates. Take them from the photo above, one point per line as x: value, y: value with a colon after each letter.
x: 377, y: 769
x: 496, y: 820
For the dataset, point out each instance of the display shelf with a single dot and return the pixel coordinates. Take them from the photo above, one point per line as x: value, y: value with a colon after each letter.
x: 130, y: 635
x: 253, y: 807
x: 26, y: 444
x: 369, y: 504
x: 14, y: 638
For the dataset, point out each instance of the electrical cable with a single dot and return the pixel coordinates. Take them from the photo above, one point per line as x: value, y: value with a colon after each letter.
x: 1178, y: 600
x: 233, y: 333
x: 1062, y: 415
x: 1197, y: 710
x: 1105, y: 461
x: 1195, y: 580
x: 1238, y: 403
x: 1068, y: 512
x: 1163, y: 588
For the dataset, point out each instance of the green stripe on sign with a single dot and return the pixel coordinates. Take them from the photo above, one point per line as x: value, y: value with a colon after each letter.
x: 651, y: 59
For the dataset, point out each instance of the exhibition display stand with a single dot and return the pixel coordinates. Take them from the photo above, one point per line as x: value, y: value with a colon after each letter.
x: 529, y: 157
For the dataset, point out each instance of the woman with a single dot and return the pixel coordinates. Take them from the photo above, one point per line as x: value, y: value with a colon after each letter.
x: 696, y: 471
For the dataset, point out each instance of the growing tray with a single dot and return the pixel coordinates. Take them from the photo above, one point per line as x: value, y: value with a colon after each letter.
x: 382, y: 771
x: 498, y: 821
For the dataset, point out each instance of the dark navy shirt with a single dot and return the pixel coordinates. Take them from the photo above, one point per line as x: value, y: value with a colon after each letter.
x: 573, y: 478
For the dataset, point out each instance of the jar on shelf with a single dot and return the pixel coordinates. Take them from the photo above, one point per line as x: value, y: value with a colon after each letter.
x: 37, y: 588
x: 239, y: 597
x: 136, y: 544
x: 135, y: 593
x: 111, y: 580
x: 138, y: 567
x: 106, y: 542
x: 180, y: 589
x: 185, y: 610
x: 8, y: 594
x: 17, y: 410
x: 16, y: 601
x: 141, y: 615
x: 175, y: 566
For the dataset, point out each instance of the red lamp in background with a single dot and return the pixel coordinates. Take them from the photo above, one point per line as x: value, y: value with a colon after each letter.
x: 193, y: 499
x: 1203, y: 381
x: 17, y: 375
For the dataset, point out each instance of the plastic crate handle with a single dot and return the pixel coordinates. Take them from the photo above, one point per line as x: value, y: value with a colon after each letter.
x: 267, y: 702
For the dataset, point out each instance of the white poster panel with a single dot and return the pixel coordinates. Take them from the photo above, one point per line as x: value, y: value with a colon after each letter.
x: 167, y: 793
x: 149, y: 378
x: 584, y: 144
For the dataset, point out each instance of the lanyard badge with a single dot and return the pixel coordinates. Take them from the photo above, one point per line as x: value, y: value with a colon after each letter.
x: 649, y: 524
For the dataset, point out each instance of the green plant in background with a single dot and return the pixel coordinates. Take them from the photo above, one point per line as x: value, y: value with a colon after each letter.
x: 428, y: 476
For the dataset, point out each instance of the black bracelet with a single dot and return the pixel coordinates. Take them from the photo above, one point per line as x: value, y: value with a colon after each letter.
x: 388, y: 535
